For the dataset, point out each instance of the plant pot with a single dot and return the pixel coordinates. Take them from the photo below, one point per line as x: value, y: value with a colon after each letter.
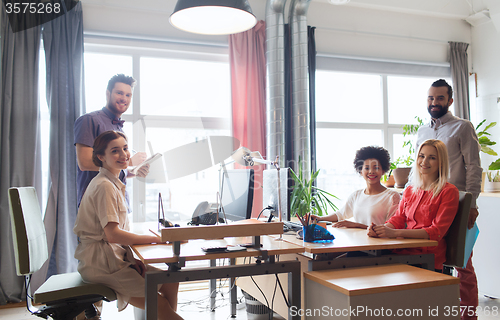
x: 401, y: 176
x: 484, y: 178
x: 491, y: 186
x: 390, y: 182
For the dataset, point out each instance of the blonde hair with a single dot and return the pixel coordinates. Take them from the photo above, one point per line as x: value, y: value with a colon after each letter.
x: 444, y: 168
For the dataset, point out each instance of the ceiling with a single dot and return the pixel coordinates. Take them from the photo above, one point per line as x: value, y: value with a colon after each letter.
x: 446, y: 8
x: 458, y: 9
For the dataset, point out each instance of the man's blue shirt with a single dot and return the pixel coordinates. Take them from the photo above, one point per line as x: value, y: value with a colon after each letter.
x: 87, y: 128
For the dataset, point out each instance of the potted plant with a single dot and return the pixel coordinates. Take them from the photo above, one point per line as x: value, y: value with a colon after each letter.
x: 491, y: 179
x: 306, y: 198
x: 388, y: 177
x: 403, y: 164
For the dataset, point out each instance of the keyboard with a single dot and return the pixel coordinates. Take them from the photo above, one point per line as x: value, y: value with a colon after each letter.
x: 291, y: 226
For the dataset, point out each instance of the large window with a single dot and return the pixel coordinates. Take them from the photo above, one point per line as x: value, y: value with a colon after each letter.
x: 354, y: 110
x: 180, y: 98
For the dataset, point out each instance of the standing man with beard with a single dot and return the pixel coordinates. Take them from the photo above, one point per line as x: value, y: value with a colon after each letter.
x: 463, y: 147
x: 90, y: 125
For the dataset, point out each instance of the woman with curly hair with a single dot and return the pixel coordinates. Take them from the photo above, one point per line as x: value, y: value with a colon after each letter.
x: 373, y: 204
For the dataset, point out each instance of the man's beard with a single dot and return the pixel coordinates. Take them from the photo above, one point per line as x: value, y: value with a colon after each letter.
x: 438, y: 113
x: 113, y: 108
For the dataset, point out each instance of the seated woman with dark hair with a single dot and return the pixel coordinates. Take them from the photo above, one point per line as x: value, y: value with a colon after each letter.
x: 429, y: 204
x: 102, y: 227
x: 373, y: 204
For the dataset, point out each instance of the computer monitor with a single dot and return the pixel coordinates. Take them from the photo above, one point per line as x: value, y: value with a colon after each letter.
x: 237, y: 194
x: 270, y: 191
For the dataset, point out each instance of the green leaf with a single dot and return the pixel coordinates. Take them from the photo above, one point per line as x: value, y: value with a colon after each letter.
x: 486, y: 141
x: 488, y: 150
x: 305, y: 197
x: 491, y: 125
x: 480, y: 124
x: 495, y: 165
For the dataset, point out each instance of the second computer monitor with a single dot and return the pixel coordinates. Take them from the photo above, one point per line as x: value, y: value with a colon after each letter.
x: 270, y: 191
x: 237, y: 194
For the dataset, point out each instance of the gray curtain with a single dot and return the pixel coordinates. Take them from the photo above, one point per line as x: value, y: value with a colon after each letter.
x: 63, y: 44
x: 20, y: 161
x: 460, y: 77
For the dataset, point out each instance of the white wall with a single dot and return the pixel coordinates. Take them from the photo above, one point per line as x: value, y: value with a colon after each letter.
x: 374, y: 33
x: 485, y: 62
x: 341, y: 30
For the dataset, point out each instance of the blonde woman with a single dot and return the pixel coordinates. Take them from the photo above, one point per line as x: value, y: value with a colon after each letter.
x: 429, y: 204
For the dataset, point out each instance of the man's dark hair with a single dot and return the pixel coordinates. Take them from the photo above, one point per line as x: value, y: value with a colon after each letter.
x: 443, y: 83
x: 120, y: 78
x: 371, y: 152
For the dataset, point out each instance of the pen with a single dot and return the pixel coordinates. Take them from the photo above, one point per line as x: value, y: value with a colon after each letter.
x: 156, y: 234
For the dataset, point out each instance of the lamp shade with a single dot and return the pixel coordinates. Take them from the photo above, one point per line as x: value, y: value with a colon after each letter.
x: 215, y: 17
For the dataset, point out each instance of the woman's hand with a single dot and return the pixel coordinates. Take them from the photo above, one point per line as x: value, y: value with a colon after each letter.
x: 349, y: 224
x: 384, y: 231
x: 371, y: 231
x: 314, y: 217
x: 139, y: 267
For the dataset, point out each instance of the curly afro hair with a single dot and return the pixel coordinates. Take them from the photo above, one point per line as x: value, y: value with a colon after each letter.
x: 372, y: 152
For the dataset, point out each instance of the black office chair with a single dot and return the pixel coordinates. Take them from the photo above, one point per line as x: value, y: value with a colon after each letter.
x: 455, y: 239
x: 64, y: 296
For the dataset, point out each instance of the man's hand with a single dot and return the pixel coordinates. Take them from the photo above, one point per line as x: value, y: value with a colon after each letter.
x: 472, y: 217
x: 143, y: 171
x: 137, y: 159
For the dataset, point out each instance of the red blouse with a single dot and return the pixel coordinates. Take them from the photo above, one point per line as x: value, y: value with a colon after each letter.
x: 421, y: 211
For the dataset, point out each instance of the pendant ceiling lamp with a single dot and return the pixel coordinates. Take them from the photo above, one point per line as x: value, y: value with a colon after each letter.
x: 214, y: 17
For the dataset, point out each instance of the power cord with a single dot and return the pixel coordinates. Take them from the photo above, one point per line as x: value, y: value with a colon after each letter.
x: 201, y: 303
x: 282, y: 291
x: 27, y: 283
x: 267, y: 302
x: 266, y: 208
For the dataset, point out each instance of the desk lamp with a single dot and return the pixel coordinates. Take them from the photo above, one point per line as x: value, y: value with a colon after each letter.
x: 245, y: 157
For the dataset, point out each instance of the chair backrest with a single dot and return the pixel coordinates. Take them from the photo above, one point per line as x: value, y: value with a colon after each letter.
x: 455, y: 239
x: 28, y: 231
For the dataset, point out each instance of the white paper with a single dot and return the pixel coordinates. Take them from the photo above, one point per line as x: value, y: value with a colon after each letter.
x: 149, y: 160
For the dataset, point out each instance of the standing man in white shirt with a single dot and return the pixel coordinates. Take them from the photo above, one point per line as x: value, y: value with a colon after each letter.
x: 463, y: 147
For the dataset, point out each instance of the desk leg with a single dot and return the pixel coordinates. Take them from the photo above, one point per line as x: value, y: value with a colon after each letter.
x: 294, y: 292
x: 213, y: 287
x: 234, y: 292
x: 151, y: 297
x: 153, y: 278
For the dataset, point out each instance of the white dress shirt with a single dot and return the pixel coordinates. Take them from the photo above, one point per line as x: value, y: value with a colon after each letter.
x: 461, y: 140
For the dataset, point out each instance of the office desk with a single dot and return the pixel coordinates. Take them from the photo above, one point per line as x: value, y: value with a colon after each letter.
x: 353, y: 239
x: 321, y: 256
x: 190, y: 251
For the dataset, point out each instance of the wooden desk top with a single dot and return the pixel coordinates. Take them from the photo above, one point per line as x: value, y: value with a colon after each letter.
x: 351, y: 239
x: 163, y: 253
x: 377, y: 279
x: 243, y: 228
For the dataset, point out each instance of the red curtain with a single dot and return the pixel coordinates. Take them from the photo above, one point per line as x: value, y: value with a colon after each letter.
x: 248, y: 89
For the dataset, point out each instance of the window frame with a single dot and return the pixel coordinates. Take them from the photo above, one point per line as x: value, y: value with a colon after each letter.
x: 157, y: 48
x: 384, y: 69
